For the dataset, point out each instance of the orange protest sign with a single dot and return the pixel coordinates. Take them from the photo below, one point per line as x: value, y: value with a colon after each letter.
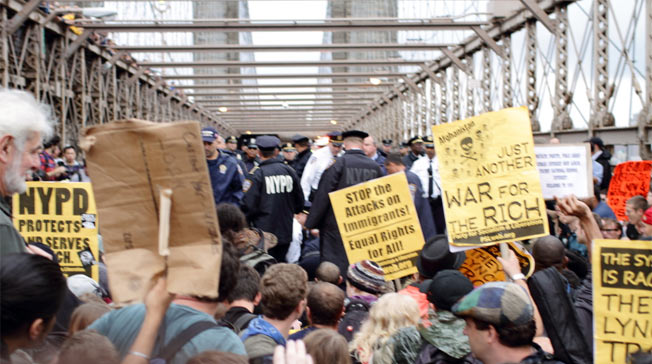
x: 481, y: 265
x: 629, y: 179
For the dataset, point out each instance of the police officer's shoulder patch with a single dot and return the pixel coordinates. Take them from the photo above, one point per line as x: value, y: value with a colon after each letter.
x: 222, y: 168
x: 246, y: 185
x: 253, y: 169
x: 413, y: 189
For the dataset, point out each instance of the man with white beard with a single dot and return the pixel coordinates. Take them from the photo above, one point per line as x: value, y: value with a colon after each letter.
x: 24, y: 124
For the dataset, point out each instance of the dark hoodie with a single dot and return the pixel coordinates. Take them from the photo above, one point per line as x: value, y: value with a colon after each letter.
x: 603, y: 159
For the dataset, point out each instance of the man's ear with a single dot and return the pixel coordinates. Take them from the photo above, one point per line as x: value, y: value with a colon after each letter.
x: 492, y: 334
x: 340, y: 280
x: 257, y: 299
x: 6, y: 146
x: 37, y: 329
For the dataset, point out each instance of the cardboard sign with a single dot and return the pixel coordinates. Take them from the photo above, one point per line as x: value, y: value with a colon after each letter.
x: 565, y: 169
x: 378, y: 221
x: 130, y: 163
x: 481, y: 265
x: 491, y: 188
x: 629, y: 179
x: 62, y: 216
x: 622, y: 299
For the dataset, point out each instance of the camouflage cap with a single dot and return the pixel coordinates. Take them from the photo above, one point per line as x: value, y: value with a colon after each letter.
x: 497, y: 303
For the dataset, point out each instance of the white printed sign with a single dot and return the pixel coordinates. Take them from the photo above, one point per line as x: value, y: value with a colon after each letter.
x: 565, y: 169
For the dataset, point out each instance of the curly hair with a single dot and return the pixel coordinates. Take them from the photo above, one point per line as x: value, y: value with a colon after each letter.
x: 390, y: 313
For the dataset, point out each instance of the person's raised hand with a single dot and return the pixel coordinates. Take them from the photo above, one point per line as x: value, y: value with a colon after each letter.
x: 158, y: 298
x: 572, y: 206
x: 294, y: 352
x: 510, y: 264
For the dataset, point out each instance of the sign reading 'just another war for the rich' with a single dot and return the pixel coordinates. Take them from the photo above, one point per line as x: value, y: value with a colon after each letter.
x: 491, y: 188
x: 622, y: 299
x: 378, y: 221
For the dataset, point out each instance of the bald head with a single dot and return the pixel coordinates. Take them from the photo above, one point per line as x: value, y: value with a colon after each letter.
x: 328, y: 272
x: 549, y: 251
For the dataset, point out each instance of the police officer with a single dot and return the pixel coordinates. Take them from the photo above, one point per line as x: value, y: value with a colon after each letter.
x: 427, y: 168
x: 251, y: 158
x: 289, y: 153
x: 387, y: 147
x: 318, y: 162
x: 272, y: 196
x: 371, y: 151
x: 302, y: 145
x: 394, y: 164
x: 231, y: 150
x: 350, y: 169
x: 416, y: 150
x: 225, y: 173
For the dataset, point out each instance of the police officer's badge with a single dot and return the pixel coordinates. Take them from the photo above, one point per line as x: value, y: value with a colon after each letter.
x: 222, y: 168
x: 246, y: 186
x: 413, y: 189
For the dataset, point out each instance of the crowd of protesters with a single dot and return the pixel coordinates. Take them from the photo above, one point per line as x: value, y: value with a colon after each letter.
x: 287, y: 292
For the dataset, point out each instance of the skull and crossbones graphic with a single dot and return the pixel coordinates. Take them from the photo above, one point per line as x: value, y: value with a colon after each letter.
x: 467, y: 149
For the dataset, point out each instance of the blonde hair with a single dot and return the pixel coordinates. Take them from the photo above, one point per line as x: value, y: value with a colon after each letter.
x: 327, y: 346
x: 390, y: 313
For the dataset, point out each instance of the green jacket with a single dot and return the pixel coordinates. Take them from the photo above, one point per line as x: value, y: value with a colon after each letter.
x: 10, y: 240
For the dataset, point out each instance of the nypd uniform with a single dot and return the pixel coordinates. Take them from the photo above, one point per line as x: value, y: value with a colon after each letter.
x: 272, y: 196
x: 380, y: 159
x: 250, y: 163
x: 300, y: 161
x: 421, y: 205
x: 428, y: 172
x: 352, y: 168
x: 411, y: 157
x: 225, y: 173
x: 235, y: 156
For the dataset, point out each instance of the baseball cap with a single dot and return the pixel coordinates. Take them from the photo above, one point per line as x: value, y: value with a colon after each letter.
x: 597, y: 141
x: 497, y: 303
x: 647, y: 216
x: 209, y: 134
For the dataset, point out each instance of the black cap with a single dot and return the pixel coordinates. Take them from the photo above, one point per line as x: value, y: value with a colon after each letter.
x: 415, y: 139
x: 252, y: 143
x: 354, y: 134
x: 267, y: 142
x: 436, y: 256
x: 404, y: 144
x: 446, y: 288
x: 288, y: 147
x: 306, y: 207
x: 232, y: 139
x: 387, y: 142
x: 596, y: 141
x: 298, y: 138
x: 428, y: 142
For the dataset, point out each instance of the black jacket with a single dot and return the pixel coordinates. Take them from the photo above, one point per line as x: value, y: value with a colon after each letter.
x: 350, y: 169
x: 409, y: 159
x: 300, y: 161
x: 272, y: 196
x: 603, y: 159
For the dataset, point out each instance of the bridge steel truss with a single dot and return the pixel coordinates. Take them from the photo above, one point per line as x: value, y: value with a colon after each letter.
x: 87, y: 85
x: 84, y: 84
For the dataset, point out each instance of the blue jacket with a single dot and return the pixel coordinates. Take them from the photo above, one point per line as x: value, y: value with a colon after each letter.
x: 226, y: 179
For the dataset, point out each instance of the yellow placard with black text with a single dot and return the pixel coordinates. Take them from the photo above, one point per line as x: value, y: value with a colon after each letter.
x: 622, y: 299
x: 62, y: 216
x: 491, y: 189
x: 378, y: 221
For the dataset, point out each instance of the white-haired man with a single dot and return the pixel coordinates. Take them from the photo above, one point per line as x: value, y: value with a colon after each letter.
x: 24, y: 124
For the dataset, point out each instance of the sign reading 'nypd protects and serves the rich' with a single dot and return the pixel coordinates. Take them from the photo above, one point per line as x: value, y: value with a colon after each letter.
x: 491, y: 188
x: 62, y: 216
x: 378, y: 221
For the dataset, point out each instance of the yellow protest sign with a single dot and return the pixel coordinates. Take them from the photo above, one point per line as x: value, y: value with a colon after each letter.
x: 62, y: 216
x: 378, y: 221
x: 481, y: 265
x: 491, y: 188
x: 622, y: 299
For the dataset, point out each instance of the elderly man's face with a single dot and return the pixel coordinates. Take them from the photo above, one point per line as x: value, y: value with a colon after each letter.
x: 369, y: 147
x: 20, y: 162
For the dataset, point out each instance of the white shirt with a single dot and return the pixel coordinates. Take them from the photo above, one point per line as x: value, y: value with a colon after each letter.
x: 317, y: 164
x: 420, y: 168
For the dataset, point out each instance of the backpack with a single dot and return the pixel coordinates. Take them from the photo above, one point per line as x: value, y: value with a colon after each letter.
x: 240, y: 324
x: 258, y: 258
x: 356, y: 312
x: 172, y: 348
x: 549, y: 291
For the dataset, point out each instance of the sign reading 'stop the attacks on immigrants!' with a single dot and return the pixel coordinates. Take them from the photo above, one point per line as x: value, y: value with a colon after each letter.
x: 491, y: 188
x: 622, y: 299
x: 63, y: 217
x: 378, y: 221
